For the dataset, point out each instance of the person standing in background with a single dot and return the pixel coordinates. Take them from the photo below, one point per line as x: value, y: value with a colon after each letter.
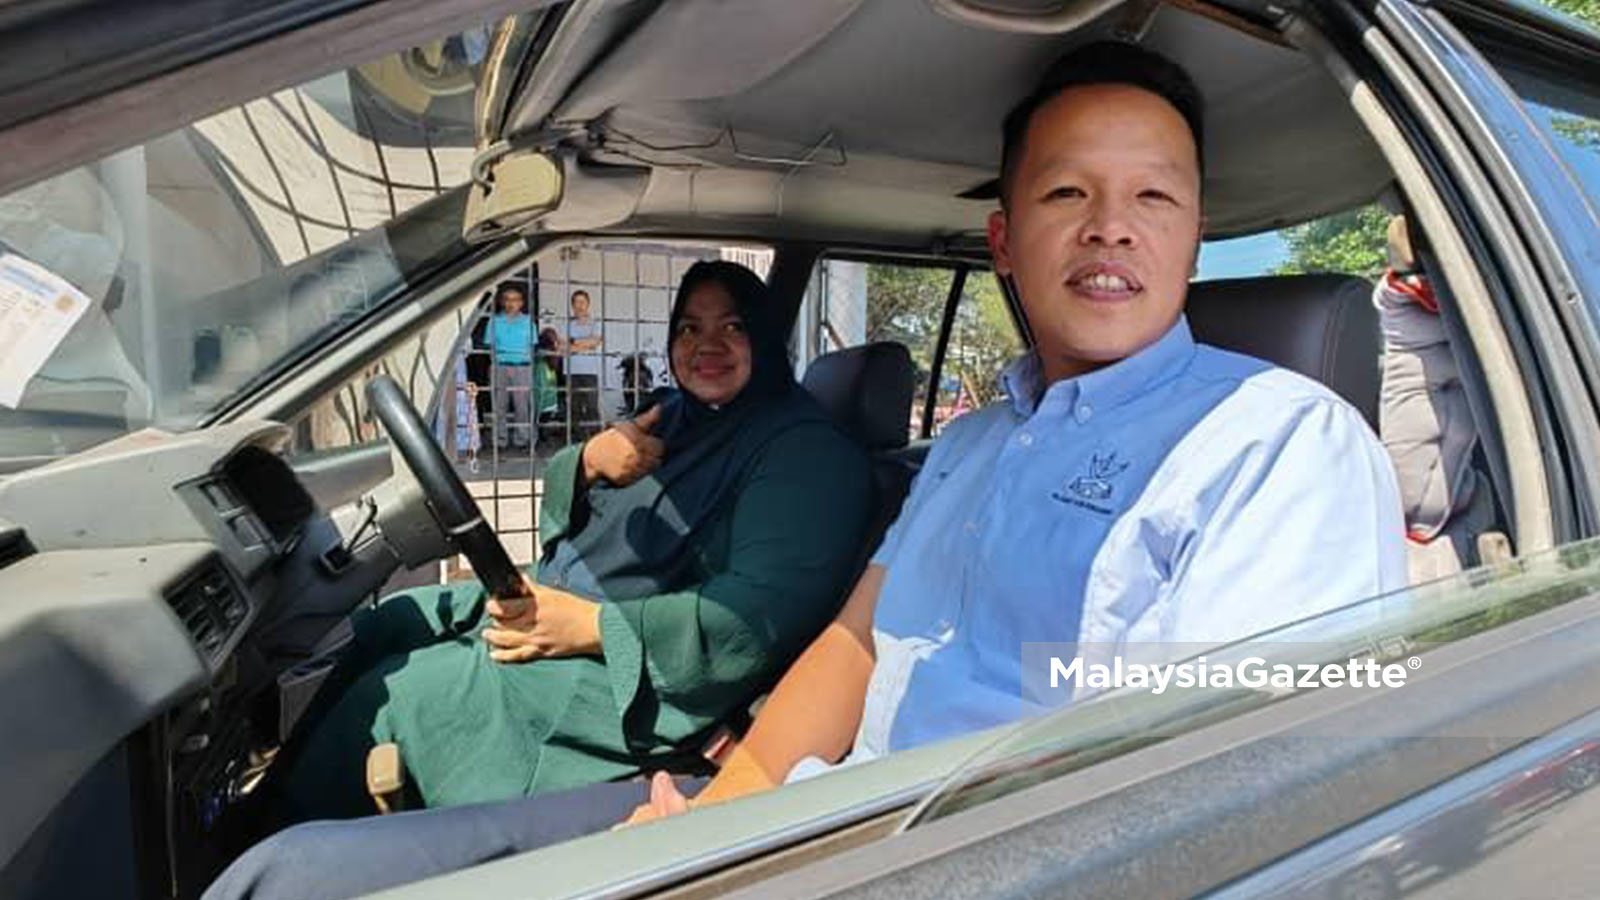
x: 510, y: 343
x: 1424, y: 421
x: 547, y: 380
x: 583, y: 369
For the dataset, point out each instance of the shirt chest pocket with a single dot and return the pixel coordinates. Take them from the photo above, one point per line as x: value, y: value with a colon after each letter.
x: 1032, y: 576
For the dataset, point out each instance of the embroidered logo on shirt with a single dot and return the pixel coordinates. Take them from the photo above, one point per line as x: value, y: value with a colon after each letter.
x: 1096, y: 485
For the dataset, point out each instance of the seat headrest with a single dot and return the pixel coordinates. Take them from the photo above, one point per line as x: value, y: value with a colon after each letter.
x: 1322, y: 326
x: 868, y: 391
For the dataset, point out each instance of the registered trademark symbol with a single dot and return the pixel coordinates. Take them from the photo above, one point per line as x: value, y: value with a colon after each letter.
x: 1414, y: 662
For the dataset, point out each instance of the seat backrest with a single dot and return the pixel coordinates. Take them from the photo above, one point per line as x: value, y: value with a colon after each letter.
x: 868, y: 392
x: 1322, y: 326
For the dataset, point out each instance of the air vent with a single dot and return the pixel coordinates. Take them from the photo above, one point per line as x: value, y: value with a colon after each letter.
x: 209, y: 608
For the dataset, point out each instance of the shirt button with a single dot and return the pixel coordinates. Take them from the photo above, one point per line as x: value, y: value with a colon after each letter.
x: 1025, y: 439
x: 1083, y: 413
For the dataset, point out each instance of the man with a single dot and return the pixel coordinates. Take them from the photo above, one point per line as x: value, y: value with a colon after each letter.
x: 510, y: 346
x: 583, y: 369
x: 1134, y: 488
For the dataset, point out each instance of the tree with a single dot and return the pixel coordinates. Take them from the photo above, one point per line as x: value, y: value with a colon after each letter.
x: 1586, y: 10
x: 1354, y: 243
x: 906, y: 304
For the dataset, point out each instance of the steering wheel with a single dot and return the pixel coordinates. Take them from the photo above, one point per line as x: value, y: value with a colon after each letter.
x: 453, y: 507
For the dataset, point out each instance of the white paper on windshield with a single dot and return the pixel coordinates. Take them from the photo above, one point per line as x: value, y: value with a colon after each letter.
x: 37, y: 309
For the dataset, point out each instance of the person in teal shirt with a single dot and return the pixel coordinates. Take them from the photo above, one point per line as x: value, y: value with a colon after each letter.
x: 510, y: 343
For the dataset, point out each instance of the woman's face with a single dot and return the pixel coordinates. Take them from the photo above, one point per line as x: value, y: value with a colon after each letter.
x: 710, y: 349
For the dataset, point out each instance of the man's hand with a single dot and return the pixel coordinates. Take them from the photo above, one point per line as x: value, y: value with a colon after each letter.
x: 665, y: 800
x: 625, y: 452
x: 547, y: 623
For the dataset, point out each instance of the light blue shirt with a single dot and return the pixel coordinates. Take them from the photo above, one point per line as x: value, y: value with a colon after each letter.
x: 1184, y: 494
x: 583, y: 362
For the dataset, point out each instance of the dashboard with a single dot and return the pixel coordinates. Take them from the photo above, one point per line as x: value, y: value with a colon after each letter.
x: 143, y: 585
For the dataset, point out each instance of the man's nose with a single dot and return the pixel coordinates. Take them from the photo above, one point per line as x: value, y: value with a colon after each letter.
x: 1107, y: 224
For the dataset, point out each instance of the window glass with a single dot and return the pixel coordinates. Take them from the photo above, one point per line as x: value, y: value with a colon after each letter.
x: 201, y: 262
x: 341, y: 419
x: 852, y: 302
x: 1350, y: 243
x: 1395, y: 629
x: 1567, y: 110
x: 983, y: 340
x: 557, y: 350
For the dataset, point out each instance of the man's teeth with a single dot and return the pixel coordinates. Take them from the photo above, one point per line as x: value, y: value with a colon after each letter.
x: 1104, y: 282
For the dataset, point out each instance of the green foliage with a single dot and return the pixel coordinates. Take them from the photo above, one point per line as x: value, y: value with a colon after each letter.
x: 1580, y: 132
x: 906, y: 304
x: 1353, y: 243
x: 1587, y: 10
x: 984, y: 339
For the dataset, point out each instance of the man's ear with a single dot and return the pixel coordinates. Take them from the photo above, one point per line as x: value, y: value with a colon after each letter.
x: 997, y: 242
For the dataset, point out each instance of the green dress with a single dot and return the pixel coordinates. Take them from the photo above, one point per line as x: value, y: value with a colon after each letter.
x: 771, y: 565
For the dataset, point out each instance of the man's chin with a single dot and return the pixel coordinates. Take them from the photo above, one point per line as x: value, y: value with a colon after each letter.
x: 1080, y: 357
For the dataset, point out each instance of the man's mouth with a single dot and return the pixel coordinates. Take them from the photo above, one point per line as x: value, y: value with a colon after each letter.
x: 1105, y: 281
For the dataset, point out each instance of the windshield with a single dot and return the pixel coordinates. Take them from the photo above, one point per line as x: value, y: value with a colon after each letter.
x: 151, y: 286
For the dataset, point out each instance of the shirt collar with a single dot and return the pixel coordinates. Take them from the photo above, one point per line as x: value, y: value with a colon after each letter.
x: 1104, y: 388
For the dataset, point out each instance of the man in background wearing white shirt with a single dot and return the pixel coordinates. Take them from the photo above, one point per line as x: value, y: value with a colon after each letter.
x: 583, y: 369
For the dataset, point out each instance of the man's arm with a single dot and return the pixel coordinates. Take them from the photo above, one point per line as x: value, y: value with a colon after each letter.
x: 814, y: 710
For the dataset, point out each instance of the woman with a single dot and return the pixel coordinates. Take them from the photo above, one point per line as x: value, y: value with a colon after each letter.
x: 546, y: 383
x: 687, y: 557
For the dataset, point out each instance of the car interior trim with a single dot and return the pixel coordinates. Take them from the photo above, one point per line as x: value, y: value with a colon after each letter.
x: 1529, y: 503
x: 1496, y: 121
x: 1476, y: 201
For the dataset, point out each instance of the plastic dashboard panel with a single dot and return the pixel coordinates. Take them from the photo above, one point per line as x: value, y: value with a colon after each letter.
x: 90, y: 651
x: 142, y: 564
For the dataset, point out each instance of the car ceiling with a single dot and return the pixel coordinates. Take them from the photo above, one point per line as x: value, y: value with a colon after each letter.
x: 896, y: 111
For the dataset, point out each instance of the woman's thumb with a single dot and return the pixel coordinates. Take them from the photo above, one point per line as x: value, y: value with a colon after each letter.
x: 649, y: 418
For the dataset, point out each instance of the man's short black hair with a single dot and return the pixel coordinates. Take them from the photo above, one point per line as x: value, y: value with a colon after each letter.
x: 1104, y: 62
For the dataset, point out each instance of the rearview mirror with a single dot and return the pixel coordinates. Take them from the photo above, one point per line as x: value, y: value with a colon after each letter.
x: 512, y: 191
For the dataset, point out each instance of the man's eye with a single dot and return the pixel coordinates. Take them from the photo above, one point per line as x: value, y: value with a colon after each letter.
x: 1063, y: 193
x: 1156, y: 195
x: 735, y: 327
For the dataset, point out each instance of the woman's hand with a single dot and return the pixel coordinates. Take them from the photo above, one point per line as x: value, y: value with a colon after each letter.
x: 546, y: 623
x: 625, y: 452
